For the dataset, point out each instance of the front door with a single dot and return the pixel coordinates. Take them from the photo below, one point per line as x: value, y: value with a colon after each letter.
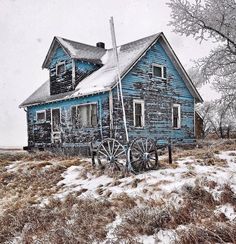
x: 56, y: 125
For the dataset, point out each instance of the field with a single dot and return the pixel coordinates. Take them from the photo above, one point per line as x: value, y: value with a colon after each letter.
x: 56, y: 199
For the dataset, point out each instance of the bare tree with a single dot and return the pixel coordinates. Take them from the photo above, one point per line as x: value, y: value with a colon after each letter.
x: 196, y: 76
x: 205, y: 110
x: 211, y: 20
x: 218, y: 118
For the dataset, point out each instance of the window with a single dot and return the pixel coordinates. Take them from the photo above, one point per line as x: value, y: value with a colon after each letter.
x: 159, y: 71
x: 56, y: 119
x: 84, y: 116
x: 138, y: 107
x: 41, y: 116
x: 176, y: 116
x: 60, y: 68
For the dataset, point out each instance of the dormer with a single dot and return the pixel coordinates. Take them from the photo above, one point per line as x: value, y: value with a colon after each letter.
x: 70, y: 62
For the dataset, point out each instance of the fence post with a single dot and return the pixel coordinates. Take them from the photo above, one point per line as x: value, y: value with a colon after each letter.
x: 170, y: 152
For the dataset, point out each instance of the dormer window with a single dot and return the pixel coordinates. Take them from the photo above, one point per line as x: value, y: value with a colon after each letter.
x: 60, y: 68
x: 159, y: 71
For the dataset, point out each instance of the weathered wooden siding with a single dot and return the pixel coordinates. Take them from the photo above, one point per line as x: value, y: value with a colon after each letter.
x: 159, y: 95
x: 39, y: 134
x: 64, y: 82
x: 83, y: 69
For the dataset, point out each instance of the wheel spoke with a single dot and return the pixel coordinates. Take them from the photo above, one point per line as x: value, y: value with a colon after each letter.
x: 114, y: 154
x: 105, y: 150
x: 153, y: 158
x: 137, y: 154
x: 143, y: 146
x: 123, y: 151
x: 140, y: 147
x: 147, y: 145
x: 113, y: 146
x: 103, y: 153
x: 109, y: 147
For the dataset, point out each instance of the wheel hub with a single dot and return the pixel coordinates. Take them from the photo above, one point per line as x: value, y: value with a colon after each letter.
x: 111, y: 159
x: 146, y: 156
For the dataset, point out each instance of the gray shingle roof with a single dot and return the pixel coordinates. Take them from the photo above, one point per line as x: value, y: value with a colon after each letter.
x: 82, y: 51
x: 102, y: 79
x: 106, y: 77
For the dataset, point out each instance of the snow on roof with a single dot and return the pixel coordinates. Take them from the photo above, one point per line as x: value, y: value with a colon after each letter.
x: 101, y: 80
x: 82, y: 51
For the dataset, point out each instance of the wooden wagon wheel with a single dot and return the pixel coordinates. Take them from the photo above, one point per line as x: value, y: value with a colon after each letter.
x: 143, y: 154
x: 111, y: 153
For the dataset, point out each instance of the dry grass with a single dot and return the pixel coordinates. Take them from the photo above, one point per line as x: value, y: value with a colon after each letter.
x: 141, y: 221
x: 208, y: 232
x: 123, y: 202
x: 73, y: 220
x: 30, y: 181
x: 206, y: 152
x: 197, y: 206
x: 83, y: 220
x: 228, y: 196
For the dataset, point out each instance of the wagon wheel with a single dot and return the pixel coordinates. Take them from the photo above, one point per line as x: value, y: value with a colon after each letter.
x: 143, y: 154
x: 111, y: 153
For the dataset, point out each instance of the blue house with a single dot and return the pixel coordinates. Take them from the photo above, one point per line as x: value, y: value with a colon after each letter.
x: 80, y: 102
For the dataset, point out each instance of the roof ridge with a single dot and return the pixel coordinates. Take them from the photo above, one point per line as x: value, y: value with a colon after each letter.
x: 138, y: 40
x: 68, y: 40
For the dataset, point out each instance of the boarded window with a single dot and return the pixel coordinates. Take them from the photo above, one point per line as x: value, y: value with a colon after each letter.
x: 84, y: 116
x: 60, y: 68
x: 176, y: 116
x: 159, y: 71
x: 41, y: 116
x: 138, y: 113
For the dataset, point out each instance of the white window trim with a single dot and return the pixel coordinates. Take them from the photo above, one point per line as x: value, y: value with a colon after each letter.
x: 58, y: 64
x: 86, y: 104
x: 139, y: 101
x: 162, y: 71
x: 40, y: 111
x: 179, y: 116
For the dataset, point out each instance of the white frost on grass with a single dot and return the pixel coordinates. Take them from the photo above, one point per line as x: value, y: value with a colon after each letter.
x: 228, y: 211
x: 154, y: 184
x: 165, y: 236
x: 111, y: 229
x: 74, y: 182
x: 13, y: 167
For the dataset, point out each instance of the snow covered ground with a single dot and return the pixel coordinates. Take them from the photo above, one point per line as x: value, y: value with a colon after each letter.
x: 151, y: 193
x: 153, y: 184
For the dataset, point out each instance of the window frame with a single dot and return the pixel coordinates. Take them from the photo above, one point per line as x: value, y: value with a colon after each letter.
x: 162, y: 71
x: 176, y: 105
x: 57, y: 108
x: 57, y: 65
x: 139, y: 101
x: 42, y: 120
x: 90, y: 114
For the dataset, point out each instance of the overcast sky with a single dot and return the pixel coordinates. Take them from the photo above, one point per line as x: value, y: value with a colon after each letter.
x: 27, y: 29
